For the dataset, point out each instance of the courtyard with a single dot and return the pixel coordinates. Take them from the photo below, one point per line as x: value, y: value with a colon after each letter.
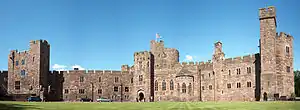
x: 150, y: 106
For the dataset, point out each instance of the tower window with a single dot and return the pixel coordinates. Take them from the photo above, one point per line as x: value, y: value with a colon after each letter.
x: 210, y: 87
x: 288, y: 69
x: 81, y: 79
x: 23, y: 73
x: 126, y: 89
x: 17, y: 63
x: 81, y: 91
x: 229, y: 72
x: 202, y: 87
x: 66, y: 91
x: 140, y: 77
x: 238, y: 85
x: 116, y: 79
x: 99, y: 79
x: 17, y: 85
x: 228, y: 86
x: 116, y: 89
x: 23, y: 62
x: 163, y: 85
x: 248, y: 69
x: 248, y: 84
x: 99, y: 91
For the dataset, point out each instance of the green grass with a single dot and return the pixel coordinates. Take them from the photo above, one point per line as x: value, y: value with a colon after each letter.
x: 150, y: 106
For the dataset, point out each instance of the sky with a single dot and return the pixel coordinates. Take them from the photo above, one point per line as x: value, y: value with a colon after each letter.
x: 104, y: 34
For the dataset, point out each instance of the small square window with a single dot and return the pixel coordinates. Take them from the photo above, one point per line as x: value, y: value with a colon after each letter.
x: 126, y: 89
x: 288, y: 69
x: 66, y: 91
x: 116, y: 89
x: 99, y: 91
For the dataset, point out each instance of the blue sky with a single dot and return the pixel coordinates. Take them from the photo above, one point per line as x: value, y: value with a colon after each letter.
x: 104, y: 34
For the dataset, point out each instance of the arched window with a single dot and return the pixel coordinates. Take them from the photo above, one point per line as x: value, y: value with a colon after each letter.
x: 183, y: 88
x: 156, y: 85
x: 163, y: 87
x: 190, y: 88
x: 178, y: 87
x: 171, y: 85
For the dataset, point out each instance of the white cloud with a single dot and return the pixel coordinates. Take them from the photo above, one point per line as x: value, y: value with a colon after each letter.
x: 78, y: 66
x: 189, y: 58
x: 59, y: 67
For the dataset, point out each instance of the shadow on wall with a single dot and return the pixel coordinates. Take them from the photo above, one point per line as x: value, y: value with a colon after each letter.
x: 9, y: 106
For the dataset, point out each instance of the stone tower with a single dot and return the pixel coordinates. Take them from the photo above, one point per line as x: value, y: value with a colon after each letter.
x: 28, y: 70
x: 218, y: 60
x: 276, y: 57
x: 143, y: 76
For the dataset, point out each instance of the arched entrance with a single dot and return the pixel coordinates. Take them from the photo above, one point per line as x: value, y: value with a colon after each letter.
x: 265, y: 96
x: 141, y: 96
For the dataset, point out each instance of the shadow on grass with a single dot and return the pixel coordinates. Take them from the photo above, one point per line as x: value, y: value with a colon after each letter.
x: 8, y: 106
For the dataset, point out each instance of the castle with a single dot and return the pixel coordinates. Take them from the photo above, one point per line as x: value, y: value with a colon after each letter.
x: 157, y: 74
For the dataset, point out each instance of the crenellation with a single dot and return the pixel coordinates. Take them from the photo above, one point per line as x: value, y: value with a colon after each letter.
x: 267, y: 12
x: 202, y: 80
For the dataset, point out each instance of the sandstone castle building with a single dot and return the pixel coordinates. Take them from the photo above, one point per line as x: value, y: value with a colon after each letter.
x: 157, y: 74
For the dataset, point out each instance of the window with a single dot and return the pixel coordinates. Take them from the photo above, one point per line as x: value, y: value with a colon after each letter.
x: 171, y: 85
x: 131, y: 80
x: 288, y: 69
x: 23, y: 62
x: 99, y: 79
x: 238, y: 71
x: 116, y: 89
x: 17, y: 63
x: 66, y: 91
x: 202, y: 87
x: 213, y: 73
x: 238, y: 85
x: 190, y: 88
x: 156, y: 85
x: 99, y: 91
x: 81, y: 91
x: 228, y: 86
x: 229, y: 72
x: 17, y: 85
x: 210, y: 87
x: 81, y: 79
x: 287, y: 50
x: 116, y: 79
x: 208, y: 74
x: 183, y: 88
x: 248, y: 69
x: 23, y: 73
x: 163, y: 87
x: 248, y: 84
x: 140, y: 77
x: 178, y: 87
x: 126, y: 89
x: 32, y: 59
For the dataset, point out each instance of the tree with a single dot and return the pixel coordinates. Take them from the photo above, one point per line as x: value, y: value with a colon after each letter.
x: 297, y: 83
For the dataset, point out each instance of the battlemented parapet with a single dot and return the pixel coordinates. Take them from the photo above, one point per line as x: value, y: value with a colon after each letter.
x: 267, y: 12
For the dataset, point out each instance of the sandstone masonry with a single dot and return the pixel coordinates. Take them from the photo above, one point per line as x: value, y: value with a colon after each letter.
x: 157, y: 74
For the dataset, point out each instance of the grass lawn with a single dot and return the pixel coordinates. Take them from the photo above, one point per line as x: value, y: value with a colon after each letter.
x: 150, y: 106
